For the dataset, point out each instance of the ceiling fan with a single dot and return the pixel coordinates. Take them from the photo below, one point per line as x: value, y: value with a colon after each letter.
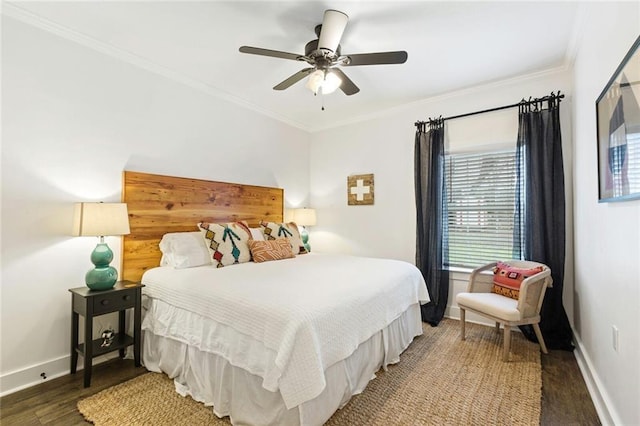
x: 324, y: 57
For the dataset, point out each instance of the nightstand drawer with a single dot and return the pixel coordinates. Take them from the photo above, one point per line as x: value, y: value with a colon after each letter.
x: 114, y: 301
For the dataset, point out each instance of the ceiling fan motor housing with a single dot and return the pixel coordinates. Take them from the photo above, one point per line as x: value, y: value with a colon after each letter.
x: 311, y: 50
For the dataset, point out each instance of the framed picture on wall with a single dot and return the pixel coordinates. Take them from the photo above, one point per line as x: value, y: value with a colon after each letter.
x: 618, y: 123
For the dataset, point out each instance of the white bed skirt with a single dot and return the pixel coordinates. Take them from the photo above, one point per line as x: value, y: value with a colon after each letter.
x: 234, y: 392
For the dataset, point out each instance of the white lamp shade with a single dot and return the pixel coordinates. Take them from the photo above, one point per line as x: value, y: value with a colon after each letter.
x: 330, y: 83
x: 315, y: 81
x: 304, y: 217
x: 288, y: 215
x: 100, y: 219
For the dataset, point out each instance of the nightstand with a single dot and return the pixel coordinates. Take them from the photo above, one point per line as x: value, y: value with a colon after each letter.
x: 90, y: 303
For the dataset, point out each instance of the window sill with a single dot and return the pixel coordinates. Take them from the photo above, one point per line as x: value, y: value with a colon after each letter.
x: 459, y: 269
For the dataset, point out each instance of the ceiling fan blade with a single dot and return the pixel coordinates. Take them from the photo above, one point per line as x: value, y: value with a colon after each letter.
x: 272, y: 53
x: 293, y: 79
x: 399, y: 57
x: 333, y: 25
x: 348, y: 87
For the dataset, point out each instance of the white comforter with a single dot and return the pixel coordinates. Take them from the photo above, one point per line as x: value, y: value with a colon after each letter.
x: 307, y: 313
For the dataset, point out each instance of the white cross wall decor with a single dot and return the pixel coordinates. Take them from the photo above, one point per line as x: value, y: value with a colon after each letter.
x: 360, y: 190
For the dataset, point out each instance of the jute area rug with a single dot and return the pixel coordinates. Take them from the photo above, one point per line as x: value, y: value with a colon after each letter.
x: 440, y: 380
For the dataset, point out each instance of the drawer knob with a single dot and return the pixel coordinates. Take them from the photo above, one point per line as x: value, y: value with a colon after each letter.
x: 104, y: 302
x: 127, y: 297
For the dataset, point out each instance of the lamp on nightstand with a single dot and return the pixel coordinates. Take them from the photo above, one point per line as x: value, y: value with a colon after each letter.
x: 304, y: 218
x: 100, y: 220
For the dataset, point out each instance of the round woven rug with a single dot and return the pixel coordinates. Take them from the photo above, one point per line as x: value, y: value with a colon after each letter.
x: 439, y: 380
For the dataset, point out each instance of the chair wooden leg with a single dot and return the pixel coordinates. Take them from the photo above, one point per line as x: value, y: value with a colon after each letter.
x: 507, y: 343
x: 543, y: 347
x: 462, y: 331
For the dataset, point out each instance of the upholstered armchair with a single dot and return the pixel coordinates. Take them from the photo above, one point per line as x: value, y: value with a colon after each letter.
x: 496, y: 296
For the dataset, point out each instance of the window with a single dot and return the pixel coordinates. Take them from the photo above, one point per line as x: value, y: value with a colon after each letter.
x: 480, y: 206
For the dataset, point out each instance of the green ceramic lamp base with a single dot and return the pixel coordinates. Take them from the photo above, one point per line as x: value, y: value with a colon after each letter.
x: 305, y: 239
x: 103, y: 276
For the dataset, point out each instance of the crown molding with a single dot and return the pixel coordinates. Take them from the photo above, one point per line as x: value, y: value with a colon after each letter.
x: 445, y: 96
x: 13, y: 11
x: 577, y: 34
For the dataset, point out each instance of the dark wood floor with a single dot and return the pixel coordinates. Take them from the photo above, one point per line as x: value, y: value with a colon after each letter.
x: 565, y: 399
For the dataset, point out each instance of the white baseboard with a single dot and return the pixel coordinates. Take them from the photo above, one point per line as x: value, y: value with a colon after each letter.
x: 599, y: 396
x: 16, y: 380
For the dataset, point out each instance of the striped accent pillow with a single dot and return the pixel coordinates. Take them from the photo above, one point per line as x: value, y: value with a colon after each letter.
x: 264, y: 251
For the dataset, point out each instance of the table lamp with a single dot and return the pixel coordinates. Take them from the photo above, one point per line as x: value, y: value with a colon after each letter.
x: 100, y: 220
x: 305, y: 217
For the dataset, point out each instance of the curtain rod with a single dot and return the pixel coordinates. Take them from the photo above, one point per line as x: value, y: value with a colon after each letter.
x: 553, y: 96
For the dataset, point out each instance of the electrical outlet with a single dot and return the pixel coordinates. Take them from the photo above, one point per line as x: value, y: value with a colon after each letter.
x: 615, y: 337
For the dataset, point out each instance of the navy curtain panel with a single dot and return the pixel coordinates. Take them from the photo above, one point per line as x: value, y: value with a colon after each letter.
x: 432, y: 251
x: 539, y: 231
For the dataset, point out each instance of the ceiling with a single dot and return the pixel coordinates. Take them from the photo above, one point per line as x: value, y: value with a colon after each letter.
x: 451, y: 46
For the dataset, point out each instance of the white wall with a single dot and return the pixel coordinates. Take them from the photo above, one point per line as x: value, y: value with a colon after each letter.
x: 607, y: 236
x: 384, y: 146
x: 73, y: 120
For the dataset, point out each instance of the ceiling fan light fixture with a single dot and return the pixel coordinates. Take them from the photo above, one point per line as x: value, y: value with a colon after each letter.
x: 331, y: 82
x: 315, y: 81
x: 325, y: 80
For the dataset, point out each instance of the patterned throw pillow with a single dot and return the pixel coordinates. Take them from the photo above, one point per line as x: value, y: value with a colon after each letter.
x: 264, y: 251
x: 507, y: 279
x: 227, y: 242
x: 274, y: 231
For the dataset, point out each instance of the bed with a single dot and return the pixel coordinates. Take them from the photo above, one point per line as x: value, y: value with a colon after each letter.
x: 278, y: 342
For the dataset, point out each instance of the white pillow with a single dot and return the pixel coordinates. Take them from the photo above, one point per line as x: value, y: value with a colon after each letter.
x: 184, y: 250
x: 256, y: 234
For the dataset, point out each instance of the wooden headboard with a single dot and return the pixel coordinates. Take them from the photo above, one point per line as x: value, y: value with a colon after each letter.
x: 160, y: 204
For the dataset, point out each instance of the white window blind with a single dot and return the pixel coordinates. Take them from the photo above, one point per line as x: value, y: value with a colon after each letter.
x: 480, y: 206
x: 633, y: 148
